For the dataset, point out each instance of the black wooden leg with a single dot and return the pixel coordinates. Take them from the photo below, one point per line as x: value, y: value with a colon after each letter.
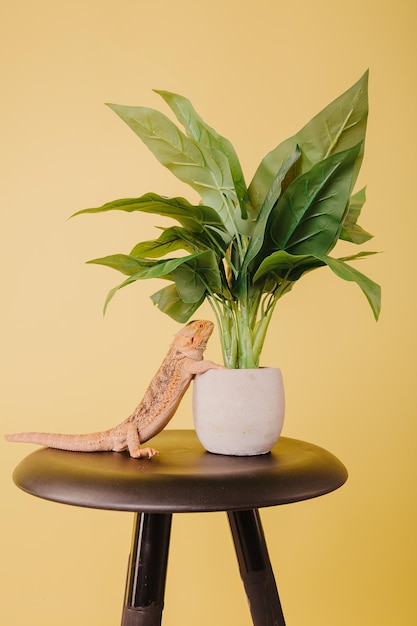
x: 255, y: 568
x: 145, y: 585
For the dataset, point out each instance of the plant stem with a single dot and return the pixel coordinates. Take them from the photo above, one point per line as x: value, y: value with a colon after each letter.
x: 261, y: 330
x: 225, y: 323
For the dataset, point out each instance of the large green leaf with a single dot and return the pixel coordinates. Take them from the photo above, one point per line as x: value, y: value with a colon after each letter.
x: 291, y: 267
x: 190, y: 216
x: 170, y: 240
x: 205, y: 169
x: 308, y: 217
x: 339, y: 126
x: 193, y: 274
x: 197, y: 276
x: 140, y: 268
x: 201, y: 132
x: 371, y: 289
x: 177, y: 238
x: 169, y: 302
x: 258, y: 235
x: 282, y: 265
x: 351, y: 231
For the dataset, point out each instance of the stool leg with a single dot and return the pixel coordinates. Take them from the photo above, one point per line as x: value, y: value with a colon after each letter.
x: 255, y: 568
x: 145, y: 584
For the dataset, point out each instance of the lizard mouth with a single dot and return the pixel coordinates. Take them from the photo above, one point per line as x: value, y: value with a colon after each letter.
x: 202, y: 343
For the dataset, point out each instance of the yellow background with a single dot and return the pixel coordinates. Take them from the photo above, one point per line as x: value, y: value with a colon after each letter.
x: 256, y: 72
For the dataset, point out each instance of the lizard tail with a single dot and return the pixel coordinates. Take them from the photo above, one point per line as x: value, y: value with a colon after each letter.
x: 93, y: 442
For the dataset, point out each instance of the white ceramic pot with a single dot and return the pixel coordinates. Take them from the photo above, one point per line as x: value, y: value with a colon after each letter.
x: 239, y: 411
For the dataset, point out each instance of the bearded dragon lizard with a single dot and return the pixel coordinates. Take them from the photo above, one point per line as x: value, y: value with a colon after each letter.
x: 183, y: 361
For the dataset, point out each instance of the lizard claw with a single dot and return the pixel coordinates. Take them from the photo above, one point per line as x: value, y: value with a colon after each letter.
x: 151, y: 452
x: 143, y: 452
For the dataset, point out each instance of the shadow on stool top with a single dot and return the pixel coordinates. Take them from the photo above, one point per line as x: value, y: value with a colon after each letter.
x: 183, y: 478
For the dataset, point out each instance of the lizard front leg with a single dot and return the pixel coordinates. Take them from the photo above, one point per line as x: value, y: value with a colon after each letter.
x: 199, y: 367
x: 133, y: 444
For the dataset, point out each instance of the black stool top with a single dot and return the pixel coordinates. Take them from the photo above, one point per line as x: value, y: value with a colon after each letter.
x: 184, y: 477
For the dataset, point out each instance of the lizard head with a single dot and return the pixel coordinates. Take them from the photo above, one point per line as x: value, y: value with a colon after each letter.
x: 192, y: 339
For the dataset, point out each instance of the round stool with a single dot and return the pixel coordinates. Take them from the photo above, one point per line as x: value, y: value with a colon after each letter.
x: 185, y: 478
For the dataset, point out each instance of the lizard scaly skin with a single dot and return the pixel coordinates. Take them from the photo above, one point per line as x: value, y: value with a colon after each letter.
x: 183, y: 361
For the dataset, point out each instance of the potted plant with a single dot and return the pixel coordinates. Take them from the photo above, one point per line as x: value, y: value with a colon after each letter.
x: 242, y: 248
